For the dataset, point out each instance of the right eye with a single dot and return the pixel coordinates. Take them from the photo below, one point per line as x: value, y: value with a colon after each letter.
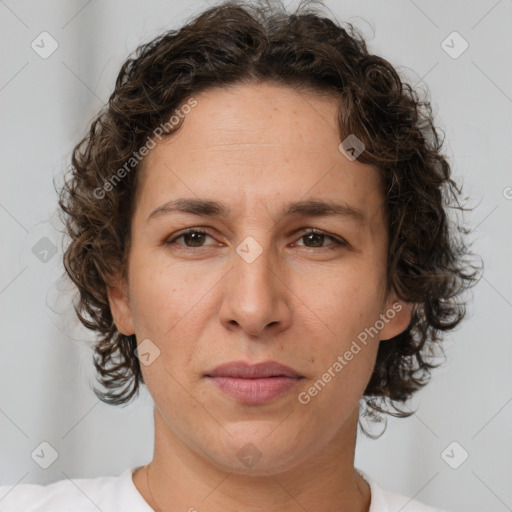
x: 193, y: 238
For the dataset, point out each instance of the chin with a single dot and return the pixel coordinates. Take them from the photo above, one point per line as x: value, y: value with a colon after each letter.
x: 254, y: 452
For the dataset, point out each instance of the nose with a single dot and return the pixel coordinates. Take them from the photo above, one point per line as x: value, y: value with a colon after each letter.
x: 256, y: 298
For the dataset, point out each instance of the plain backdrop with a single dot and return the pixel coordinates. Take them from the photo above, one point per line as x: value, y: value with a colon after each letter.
x: 46, y: 371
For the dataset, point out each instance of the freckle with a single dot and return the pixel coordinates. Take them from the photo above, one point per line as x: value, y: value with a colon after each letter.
x: 312, y: 359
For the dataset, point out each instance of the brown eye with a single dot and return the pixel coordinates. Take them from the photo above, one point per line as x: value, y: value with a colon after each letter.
x: 193, y: 238
x: 317, y: 238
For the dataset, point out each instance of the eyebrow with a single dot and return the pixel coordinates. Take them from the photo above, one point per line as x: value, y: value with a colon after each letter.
x: 305, y: 208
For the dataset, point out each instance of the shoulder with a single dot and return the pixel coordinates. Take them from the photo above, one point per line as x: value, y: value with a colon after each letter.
x: 107, y: 493
x: 387, y: 501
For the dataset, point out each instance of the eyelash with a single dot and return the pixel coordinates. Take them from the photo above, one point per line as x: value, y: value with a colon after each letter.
x: 310, y: 231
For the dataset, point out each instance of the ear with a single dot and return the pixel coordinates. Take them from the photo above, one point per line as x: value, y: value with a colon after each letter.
x: 119, y: 301
x: 396, y: 316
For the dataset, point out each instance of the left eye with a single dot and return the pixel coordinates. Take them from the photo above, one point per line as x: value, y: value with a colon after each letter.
x: 317, y: 237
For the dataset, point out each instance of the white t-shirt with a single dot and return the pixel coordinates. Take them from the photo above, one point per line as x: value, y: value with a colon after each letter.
x: 119, y: 494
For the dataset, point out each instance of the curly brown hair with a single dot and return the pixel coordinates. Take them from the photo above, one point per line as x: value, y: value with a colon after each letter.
x: 235, y: 43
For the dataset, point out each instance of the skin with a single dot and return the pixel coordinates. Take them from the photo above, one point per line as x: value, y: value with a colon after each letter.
x: 302, y: 302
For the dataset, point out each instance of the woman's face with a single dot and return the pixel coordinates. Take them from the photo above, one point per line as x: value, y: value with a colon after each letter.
x: 253, y: 286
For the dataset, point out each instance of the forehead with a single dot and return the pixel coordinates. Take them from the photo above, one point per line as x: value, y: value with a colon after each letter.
x: 254, y: 143
x: 259, y: 113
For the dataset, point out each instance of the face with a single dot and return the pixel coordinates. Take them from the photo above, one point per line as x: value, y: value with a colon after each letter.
x: 264, y: 275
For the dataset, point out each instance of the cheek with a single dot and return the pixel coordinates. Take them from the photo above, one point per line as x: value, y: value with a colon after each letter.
x: 170, y: 307
x: 160, y: 296
x: 348, y: 300
x: 342, y: 377
x: 349, y: 307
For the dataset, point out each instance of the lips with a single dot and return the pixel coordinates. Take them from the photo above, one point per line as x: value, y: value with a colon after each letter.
x: 242, y: 370
x: 255, y: 384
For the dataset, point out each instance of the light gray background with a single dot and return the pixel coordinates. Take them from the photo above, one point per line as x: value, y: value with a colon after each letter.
x: 45, y: 362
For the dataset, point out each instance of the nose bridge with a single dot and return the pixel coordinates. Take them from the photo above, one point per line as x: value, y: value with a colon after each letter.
x: 254, y: 297
x: 253, y: 272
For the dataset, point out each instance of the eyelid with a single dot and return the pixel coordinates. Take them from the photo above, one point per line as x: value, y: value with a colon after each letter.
x: 337, y: 241
x: 169, y: 241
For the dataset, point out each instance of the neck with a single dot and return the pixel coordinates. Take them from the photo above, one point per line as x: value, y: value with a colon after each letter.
x: 183, y: 479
